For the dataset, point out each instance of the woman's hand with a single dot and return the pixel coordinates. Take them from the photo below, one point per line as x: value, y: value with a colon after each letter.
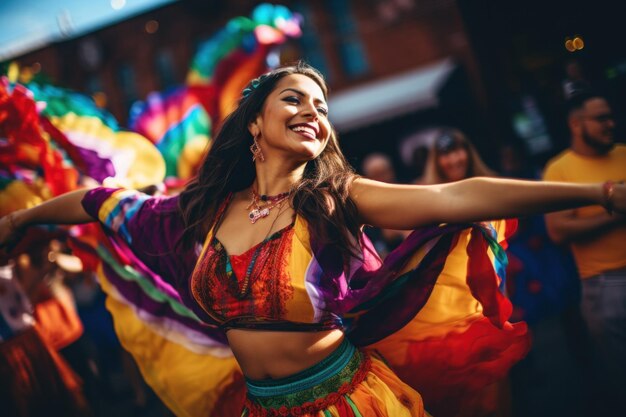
x: 63, y: 209
x: 615, y: 197
x: 10, y: 229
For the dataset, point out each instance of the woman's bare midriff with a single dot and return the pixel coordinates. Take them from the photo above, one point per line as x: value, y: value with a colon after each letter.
x: 272, y: 355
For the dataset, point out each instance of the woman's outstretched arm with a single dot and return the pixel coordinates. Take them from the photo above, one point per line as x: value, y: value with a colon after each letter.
x: 64, y: 209
x: 475, y: 199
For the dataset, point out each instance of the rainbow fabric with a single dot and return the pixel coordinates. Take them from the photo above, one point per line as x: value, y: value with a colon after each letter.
x: 181, y: 122
x: 268, y: 25
x: 31, y: 168
x: 438, y: 289
x: 50, y: 146
x: 178, y: 124
x: 60, y: 101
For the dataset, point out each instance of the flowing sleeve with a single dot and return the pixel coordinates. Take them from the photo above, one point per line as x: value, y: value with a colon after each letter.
x: 459, y: 347
x: 436, y: 310
x: 181, y: 353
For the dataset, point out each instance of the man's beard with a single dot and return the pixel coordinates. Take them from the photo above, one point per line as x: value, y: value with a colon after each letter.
x: 600, y: 147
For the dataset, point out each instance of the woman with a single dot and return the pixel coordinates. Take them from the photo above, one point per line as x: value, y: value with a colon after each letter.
x: 453, y: 158
x: 283, y: 269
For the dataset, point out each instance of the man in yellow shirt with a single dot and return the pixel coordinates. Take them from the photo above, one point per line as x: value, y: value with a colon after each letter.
x: 597, y: 237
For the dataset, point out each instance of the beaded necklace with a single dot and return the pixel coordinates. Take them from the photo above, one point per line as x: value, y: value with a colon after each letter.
x: 260, y: 211
x: 242, y: 289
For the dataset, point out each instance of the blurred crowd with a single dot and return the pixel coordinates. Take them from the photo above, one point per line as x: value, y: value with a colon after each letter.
x: 568, y: 269
x: 58, y: 342
x: 546, y: 282
x: 59, y: 354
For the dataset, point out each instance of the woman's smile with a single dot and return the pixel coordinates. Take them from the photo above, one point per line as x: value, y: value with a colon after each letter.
x: 307, y: 130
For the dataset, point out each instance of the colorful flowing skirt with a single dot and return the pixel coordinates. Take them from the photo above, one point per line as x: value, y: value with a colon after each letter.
x: 434, y: 309
x: 348, y: 383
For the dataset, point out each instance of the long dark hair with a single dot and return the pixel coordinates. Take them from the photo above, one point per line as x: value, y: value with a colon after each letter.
x: 321, y: 196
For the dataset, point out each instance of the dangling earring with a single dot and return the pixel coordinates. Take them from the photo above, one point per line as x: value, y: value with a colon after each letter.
x: 257, y: 153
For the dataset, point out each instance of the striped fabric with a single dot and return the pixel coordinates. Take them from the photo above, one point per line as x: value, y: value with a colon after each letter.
x: 404, y: 305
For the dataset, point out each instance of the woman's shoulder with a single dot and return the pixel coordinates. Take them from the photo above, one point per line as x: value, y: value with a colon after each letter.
x: 104, y: 202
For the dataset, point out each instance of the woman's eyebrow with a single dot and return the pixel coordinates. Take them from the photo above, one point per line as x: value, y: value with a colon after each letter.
x: 294, y: 90
x: 300, y: 93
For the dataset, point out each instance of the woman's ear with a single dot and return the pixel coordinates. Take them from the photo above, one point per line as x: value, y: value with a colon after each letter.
x: 254, y: 127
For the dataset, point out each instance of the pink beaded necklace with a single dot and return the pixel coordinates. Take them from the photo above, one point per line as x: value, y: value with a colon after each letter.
x: 261, y: 204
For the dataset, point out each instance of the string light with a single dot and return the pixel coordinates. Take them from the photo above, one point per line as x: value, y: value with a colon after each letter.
x: 574, y: 44
x: 578, y: 43
x: 151, y: 26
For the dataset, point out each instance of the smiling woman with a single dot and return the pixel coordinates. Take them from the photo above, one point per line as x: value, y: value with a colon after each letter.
x: 297, y: 105
x: 262, y: 257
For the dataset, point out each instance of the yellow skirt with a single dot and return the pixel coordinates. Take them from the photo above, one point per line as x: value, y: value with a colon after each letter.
x: 348, y: 383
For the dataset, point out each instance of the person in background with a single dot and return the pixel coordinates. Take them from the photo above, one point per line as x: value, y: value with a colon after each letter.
x: 284, y: 264
x: 596, y: 236
x: 453, y: 158
x: 34, y: 379
x: 543, y: 285
x: 543, y: 279
x: 379, y: 167
x: 575, y: 78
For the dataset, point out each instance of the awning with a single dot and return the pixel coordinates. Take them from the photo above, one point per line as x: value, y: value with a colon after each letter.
x: 395, y: 96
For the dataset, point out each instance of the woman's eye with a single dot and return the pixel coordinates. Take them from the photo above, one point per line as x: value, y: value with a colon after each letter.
x: 296, y: 100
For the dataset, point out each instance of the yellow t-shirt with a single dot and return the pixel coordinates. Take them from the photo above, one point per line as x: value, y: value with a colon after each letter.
x: 608, y: 250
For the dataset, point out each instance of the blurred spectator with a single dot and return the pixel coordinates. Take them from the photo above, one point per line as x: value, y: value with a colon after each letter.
x: 453, y: 158
x: 542, y: 277
x: 575, y: 79
x: 34, y: 379
x: 379, y: 167
x: 413, y: 152
x: 597, y: 238
x: 515, y: 162
x: 104, y: 358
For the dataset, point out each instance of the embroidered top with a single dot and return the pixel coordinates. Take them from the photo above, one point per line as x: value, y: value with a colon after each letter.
x: 301, y: 284
x: 261, y: 288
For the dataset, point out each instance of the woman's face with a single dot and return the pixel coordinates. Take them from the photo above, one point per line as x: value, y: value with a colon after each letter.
x: 293, y: 121
x: 454, y: 164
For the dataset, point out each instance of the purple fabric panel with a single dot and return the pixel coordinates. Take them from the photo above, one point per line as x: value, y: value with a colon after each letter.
x: 371, y: 277
x: 155, y: 228
x: 123, y: 249
x: 96, y: 167
x: 138, y: 298
x: 369, y: 281
x: 393, y: 313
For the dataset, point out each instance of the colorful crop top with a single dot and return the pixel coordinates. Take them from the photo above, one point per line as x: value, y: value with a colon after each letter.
x: 296, y: 282
x: 262, y: 288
